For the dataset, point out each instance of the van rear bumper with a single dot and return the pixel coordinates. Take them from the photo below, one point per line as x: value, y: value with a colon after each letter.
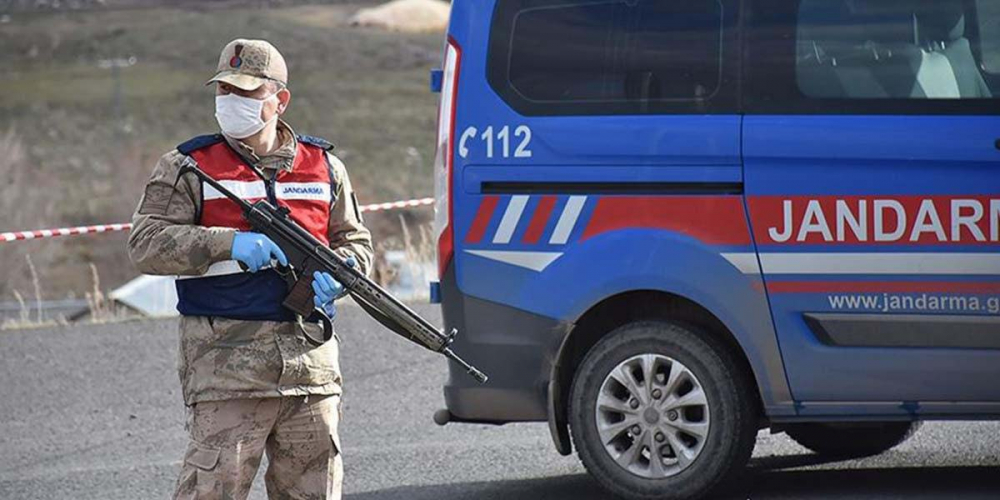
x: 513, y: 347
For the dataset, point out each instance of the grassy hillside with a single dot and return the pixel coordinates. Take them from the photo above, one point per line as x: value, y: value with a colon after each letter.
x: 72, y: 154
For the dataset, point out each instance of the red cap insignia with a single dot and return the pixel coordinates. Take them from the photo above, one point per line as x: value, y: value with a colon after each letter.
x: 236, y: 61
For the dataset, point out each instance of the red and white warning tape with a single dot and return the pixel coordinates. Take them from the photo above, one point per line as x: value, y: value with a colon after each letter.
x: 65, y: 231
x: 397, y: 204
x: 109, y: 228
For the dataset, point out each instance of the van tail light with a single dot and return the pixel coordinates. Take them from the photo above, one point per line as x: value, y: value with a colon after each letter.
x: 444, y: 158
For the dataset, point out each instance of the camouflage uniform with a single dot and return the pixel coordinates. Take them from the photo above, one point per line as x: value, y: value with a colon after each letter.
x: 228, y: 439
x: 250, y: 385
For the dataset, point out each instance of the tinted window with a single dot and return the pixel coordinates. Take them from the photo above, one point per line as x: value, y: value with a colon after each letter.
x: 989, y: 34
x: 871, y: 56
x: 639, y: 56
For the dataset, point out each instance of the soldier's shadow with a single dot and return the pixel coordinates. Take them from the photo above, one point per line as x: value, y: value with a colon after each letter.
x: 766, y: 478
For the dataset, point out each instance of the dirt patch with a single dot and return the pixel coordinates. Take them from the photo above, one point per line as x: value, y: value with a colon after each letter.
x: 318, y: 16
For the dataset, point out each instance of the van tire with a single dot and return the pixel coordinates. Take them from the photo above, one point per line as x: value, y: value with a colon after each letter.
x: 860, y: 439
x: 732, y: 414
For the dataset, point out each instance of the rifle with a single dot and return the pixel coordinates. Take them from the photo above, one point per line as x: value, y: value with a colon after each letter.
x: 306, y: 254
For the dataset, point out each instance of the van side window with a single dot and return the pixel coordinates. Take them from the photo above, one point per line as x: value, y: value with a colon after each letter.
x: 611, y: 57
x: 989, y: 35
x: 868, y: 50
x: 873, y: 56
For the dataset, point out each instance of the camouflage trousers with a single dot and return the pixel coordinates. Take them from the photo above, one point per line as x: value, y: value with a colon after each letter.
x: 229, y: 438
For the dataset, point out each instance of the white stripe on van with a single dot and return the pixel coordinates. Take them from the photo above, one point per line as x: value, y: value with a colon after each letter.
x: 510, y: 219
x: 881, y: 263
x: 745, y: 262
x: 570, y: 213
x: 536, y: 261
x: 852, y: 263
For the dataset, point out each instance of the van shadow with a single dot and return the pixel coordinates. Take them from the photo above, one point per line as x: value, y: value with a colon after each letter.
x: 764, y: 479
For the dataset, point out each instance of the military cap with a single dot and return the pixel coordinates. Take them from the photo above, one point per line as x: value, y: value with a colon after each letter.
x: 247, y: 64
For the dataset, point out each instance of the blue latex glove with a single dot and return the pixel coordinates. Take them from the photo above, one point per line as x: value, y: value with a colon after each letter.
x: 256, y: 250
x: 326, y: 290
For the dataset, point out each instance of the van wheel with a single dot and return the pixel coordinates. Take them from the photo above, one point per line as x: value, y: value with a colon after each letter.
x: 657, y: 410
x: 851, y: 439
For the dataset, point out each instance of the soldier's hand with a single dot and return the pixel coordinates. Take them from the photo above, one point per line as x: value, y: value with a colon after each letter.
x: 256, y: 250
x: 326, y: 289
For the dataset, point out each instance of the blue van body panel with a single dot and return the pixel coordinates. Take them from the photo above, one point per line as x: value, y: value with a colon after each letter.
x: 906, y: 159
x: 632, y: 140
x: 604, y: 266
x: 639, y: 259
x: 957, y: 140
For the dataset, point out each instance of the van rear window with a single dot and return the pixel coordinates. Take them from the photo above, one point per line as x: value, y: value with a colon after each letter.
x: 610, y: 57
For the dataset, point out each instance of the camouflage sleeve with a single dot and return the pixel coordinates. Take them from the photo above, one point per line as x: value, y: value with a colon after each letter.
x: 165, y: 238
x: 347, y: 232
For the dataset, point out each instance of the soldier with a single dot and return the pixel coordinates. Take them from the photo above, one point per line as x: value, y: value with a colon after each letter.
x: 251, y: 380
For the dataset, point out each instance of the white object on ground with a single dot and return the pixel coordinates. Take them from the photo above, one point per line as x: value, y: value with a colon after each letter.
x: 408, y: 16
x: 153, y: 296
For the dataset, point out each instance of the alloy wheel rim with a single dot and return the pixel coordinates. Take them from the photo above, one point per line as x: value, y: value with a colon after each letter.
x: 652, y: 416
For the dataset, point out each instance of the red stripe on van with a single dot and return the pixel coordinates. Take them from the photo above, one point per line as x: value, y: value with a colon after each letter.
x: 483, y: 216
x: 541, y: 217
x: 971, y: 287
x: 714, y: 220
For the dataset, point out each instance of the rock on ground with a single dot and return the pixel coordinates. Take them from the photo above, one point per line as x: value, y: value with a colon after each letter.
x: 408, y: 16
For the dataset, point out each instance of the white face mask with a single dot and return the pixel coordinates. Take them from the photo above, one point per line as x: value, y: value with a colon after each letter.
x: 239, y: 117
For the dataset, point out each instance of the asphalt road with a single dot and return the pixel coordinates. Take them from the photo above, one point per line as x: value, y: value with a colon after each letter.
x: 94, y: 412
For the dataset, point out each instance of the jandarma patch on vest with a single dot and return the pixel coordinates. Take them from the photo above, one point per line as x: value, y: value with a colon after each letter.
x: 156, y: 199
x: 303, y: 190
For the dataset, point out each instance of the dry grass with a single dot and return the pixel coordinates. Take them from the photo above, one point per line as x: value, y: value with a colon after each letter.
x: 419, y: 249
x: 411, y: 233
x: 100, y: 309
x: 24, y: 314
x: 316, y: 16
x: 20, y: 210
x: 38, y: 289
x: 25, y: 319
